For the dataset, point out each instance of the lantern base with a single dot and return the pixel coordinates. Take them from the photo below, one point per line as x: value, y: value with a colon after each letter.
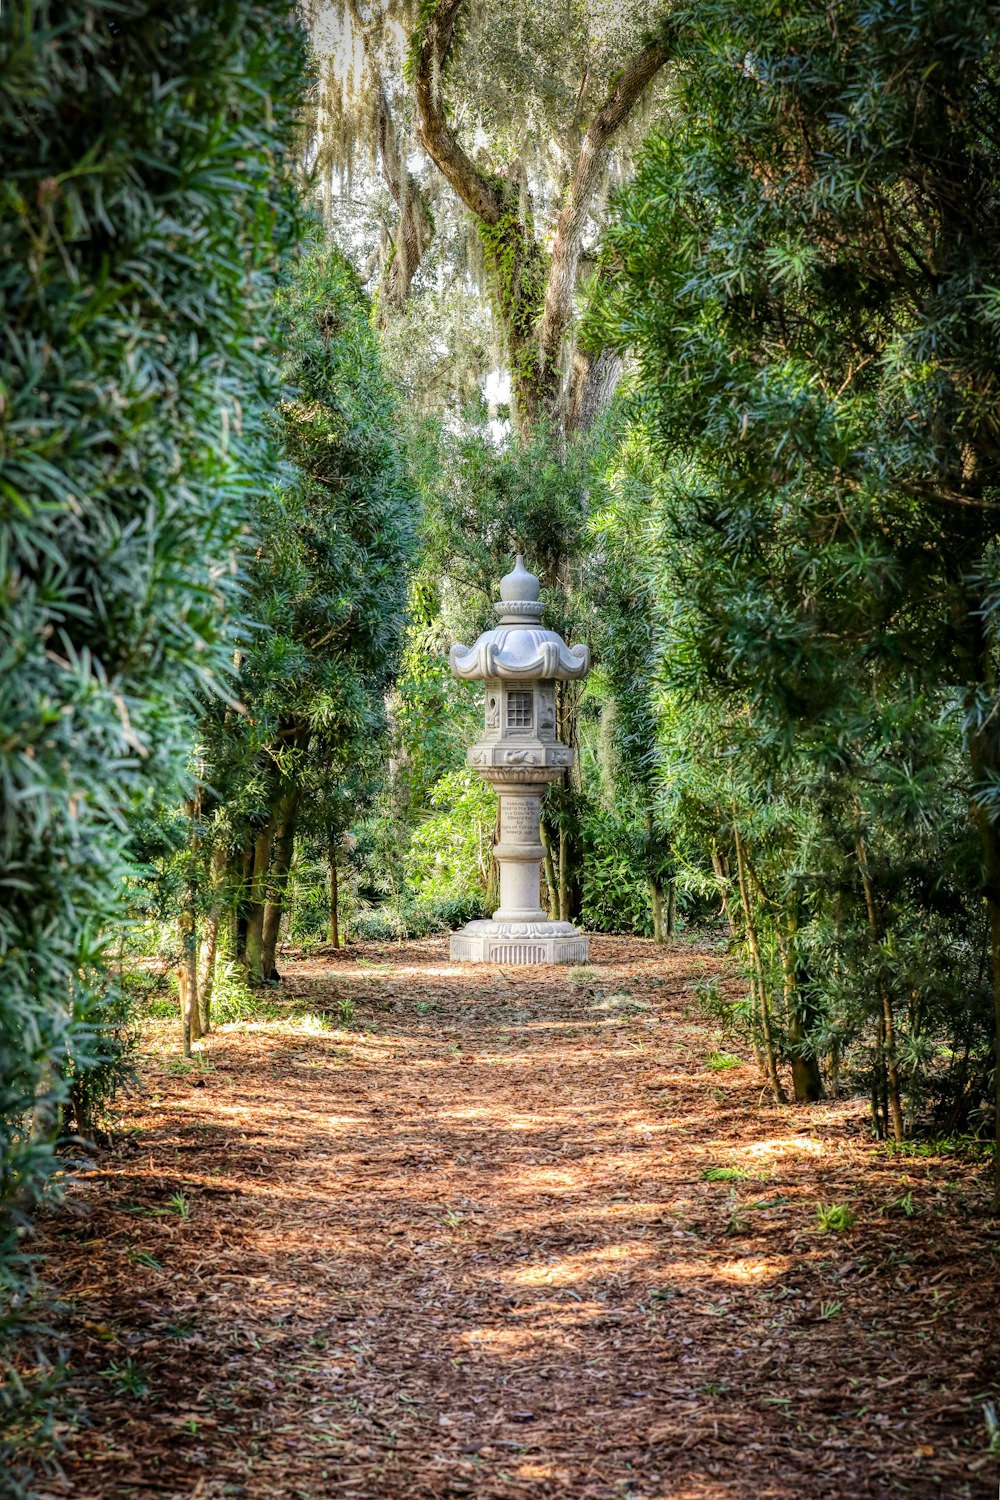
x: 511, y: 943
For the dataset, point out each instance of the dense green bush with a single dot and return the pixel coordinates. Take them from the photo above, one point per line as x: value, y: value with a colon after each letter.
x: 145, y: 209
x: 807, y: 265
x: 615, y: 886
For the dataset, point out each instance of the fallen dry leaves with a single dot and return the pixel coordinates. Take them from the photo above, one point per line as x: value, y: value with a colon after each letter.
x: 463, y: 1246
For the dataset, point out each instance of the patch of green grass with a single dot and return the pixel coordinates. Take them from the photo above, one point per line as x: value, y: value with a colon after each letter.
x: 829, y: 1310
x: 371, y: 963
x: 620, y: 1001
x: 427, y: 1007
x: 834, y: 1217
x: 718, y: 1061
x: 313, y: 1023
x: 181, y: 1067
x: 584, y: 974
x: 234, y: 1002
x: 904, y: 1205
x: 128, y: 1378
x: 345, y: 1010
x: 724, y: 1174
x: 969, y: 1146
x: 178, y: 1067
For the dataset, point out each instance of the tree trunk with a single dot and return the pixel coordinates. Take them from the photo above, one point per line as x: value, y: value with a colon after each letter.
x: 722, y: 876
x: 895, y: 1108
x: 656, y: 902
x: 242, y: 881
x: 592, y: 387
x: 563, y: 874
x: 655, y: 885
x: 334, y: 896
x: 255, y: 902
x: 416, y: 226
x: 770, y: 1062
x: 985, y: 767
x: 187, y: 978
x: 534, y: 291
x: 210, y: 942
x: 807, y: 1085
x: 671, y: 908
x: 550, y: 874
x: 282, y: 851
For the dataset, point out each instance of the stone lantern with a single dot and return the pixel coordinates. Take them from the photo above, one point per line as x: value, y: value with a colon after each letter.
x: 520, y: 662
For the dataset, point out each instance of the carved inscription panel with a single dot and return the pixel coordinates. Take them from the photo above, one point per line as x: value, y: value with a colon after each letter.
x: 519, y: 819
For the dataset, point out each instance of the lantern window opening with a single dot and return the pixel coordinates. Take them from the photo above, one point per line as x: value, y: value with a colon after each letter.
x: 519, y: 709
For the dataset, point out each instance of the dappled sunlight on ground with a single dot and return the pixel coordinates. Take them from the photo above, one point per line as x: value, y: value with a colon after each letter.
x: 441, y: 1230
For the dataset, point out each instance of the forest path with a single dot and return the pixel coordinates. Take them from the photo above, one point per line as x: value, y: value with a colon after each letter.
x: 464, y: 1246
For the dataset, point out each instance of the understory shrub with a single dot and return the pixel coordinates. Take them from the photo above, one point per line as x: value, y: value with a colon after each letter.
x: 144, y: 210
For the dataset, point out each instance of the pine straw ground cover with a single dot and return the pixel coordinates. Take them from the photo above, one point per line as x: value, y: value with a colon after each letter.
x: 463, y: 1243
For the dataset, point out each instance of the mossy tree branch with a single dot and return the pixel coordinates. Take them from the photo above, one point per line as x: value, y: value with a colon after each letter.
x: 533, y: 290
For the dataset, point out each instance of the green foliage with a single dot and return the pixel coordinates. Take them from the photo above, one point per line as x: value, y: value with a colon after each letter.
x: 451, y: 851
x: 326, y: 594
x: 615, y: 885
x: 140, y: 232
x: 815, y: 439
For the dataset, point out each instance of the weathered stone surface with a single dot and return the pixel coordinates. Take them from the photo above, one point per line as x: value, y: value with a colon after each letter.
x: 519, y: 753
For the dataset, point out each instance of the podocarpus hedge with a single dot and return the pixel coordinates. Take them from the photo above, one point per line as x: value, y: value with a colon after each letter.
x: 145, y: 206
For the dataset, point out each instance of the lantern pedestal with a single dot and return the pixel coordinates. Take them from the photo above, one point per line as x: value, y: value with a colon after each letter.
x: 520, y: 663
x: 519, y: 943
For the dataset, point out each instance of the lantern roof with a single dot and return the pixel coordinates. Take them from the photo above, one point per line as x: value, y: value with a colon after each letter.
x: 519, y: 649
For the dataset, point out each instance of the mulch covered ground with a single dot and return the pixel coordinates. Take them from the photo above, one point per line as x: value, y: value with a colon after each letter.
x: 461, y: 1243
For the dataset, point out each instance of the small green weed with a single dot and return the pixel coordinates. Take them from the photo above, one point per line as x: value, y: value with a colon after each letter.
x: 312, y: 1023
x: 143, y: 1258
x: 736, y: 1223
x: 724, y: 1174
x: 834, y: 1217
x: 129, y: 1378
x: 904, y: 1206
x: 427, y: 1007
x: 829, y: 1310
x: 345, y: 1010
x: 718, y: 1061
x: 178, y: 1204
x: 177, y: 1067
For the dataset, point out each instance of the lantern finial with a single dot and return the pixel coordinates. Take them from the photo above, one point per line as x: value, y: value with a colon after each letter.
x: 520, y: 584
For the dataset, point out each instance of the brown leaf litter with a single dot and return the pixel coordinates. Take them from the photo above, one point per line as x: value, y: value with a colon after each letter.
x: 460, y: 1243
